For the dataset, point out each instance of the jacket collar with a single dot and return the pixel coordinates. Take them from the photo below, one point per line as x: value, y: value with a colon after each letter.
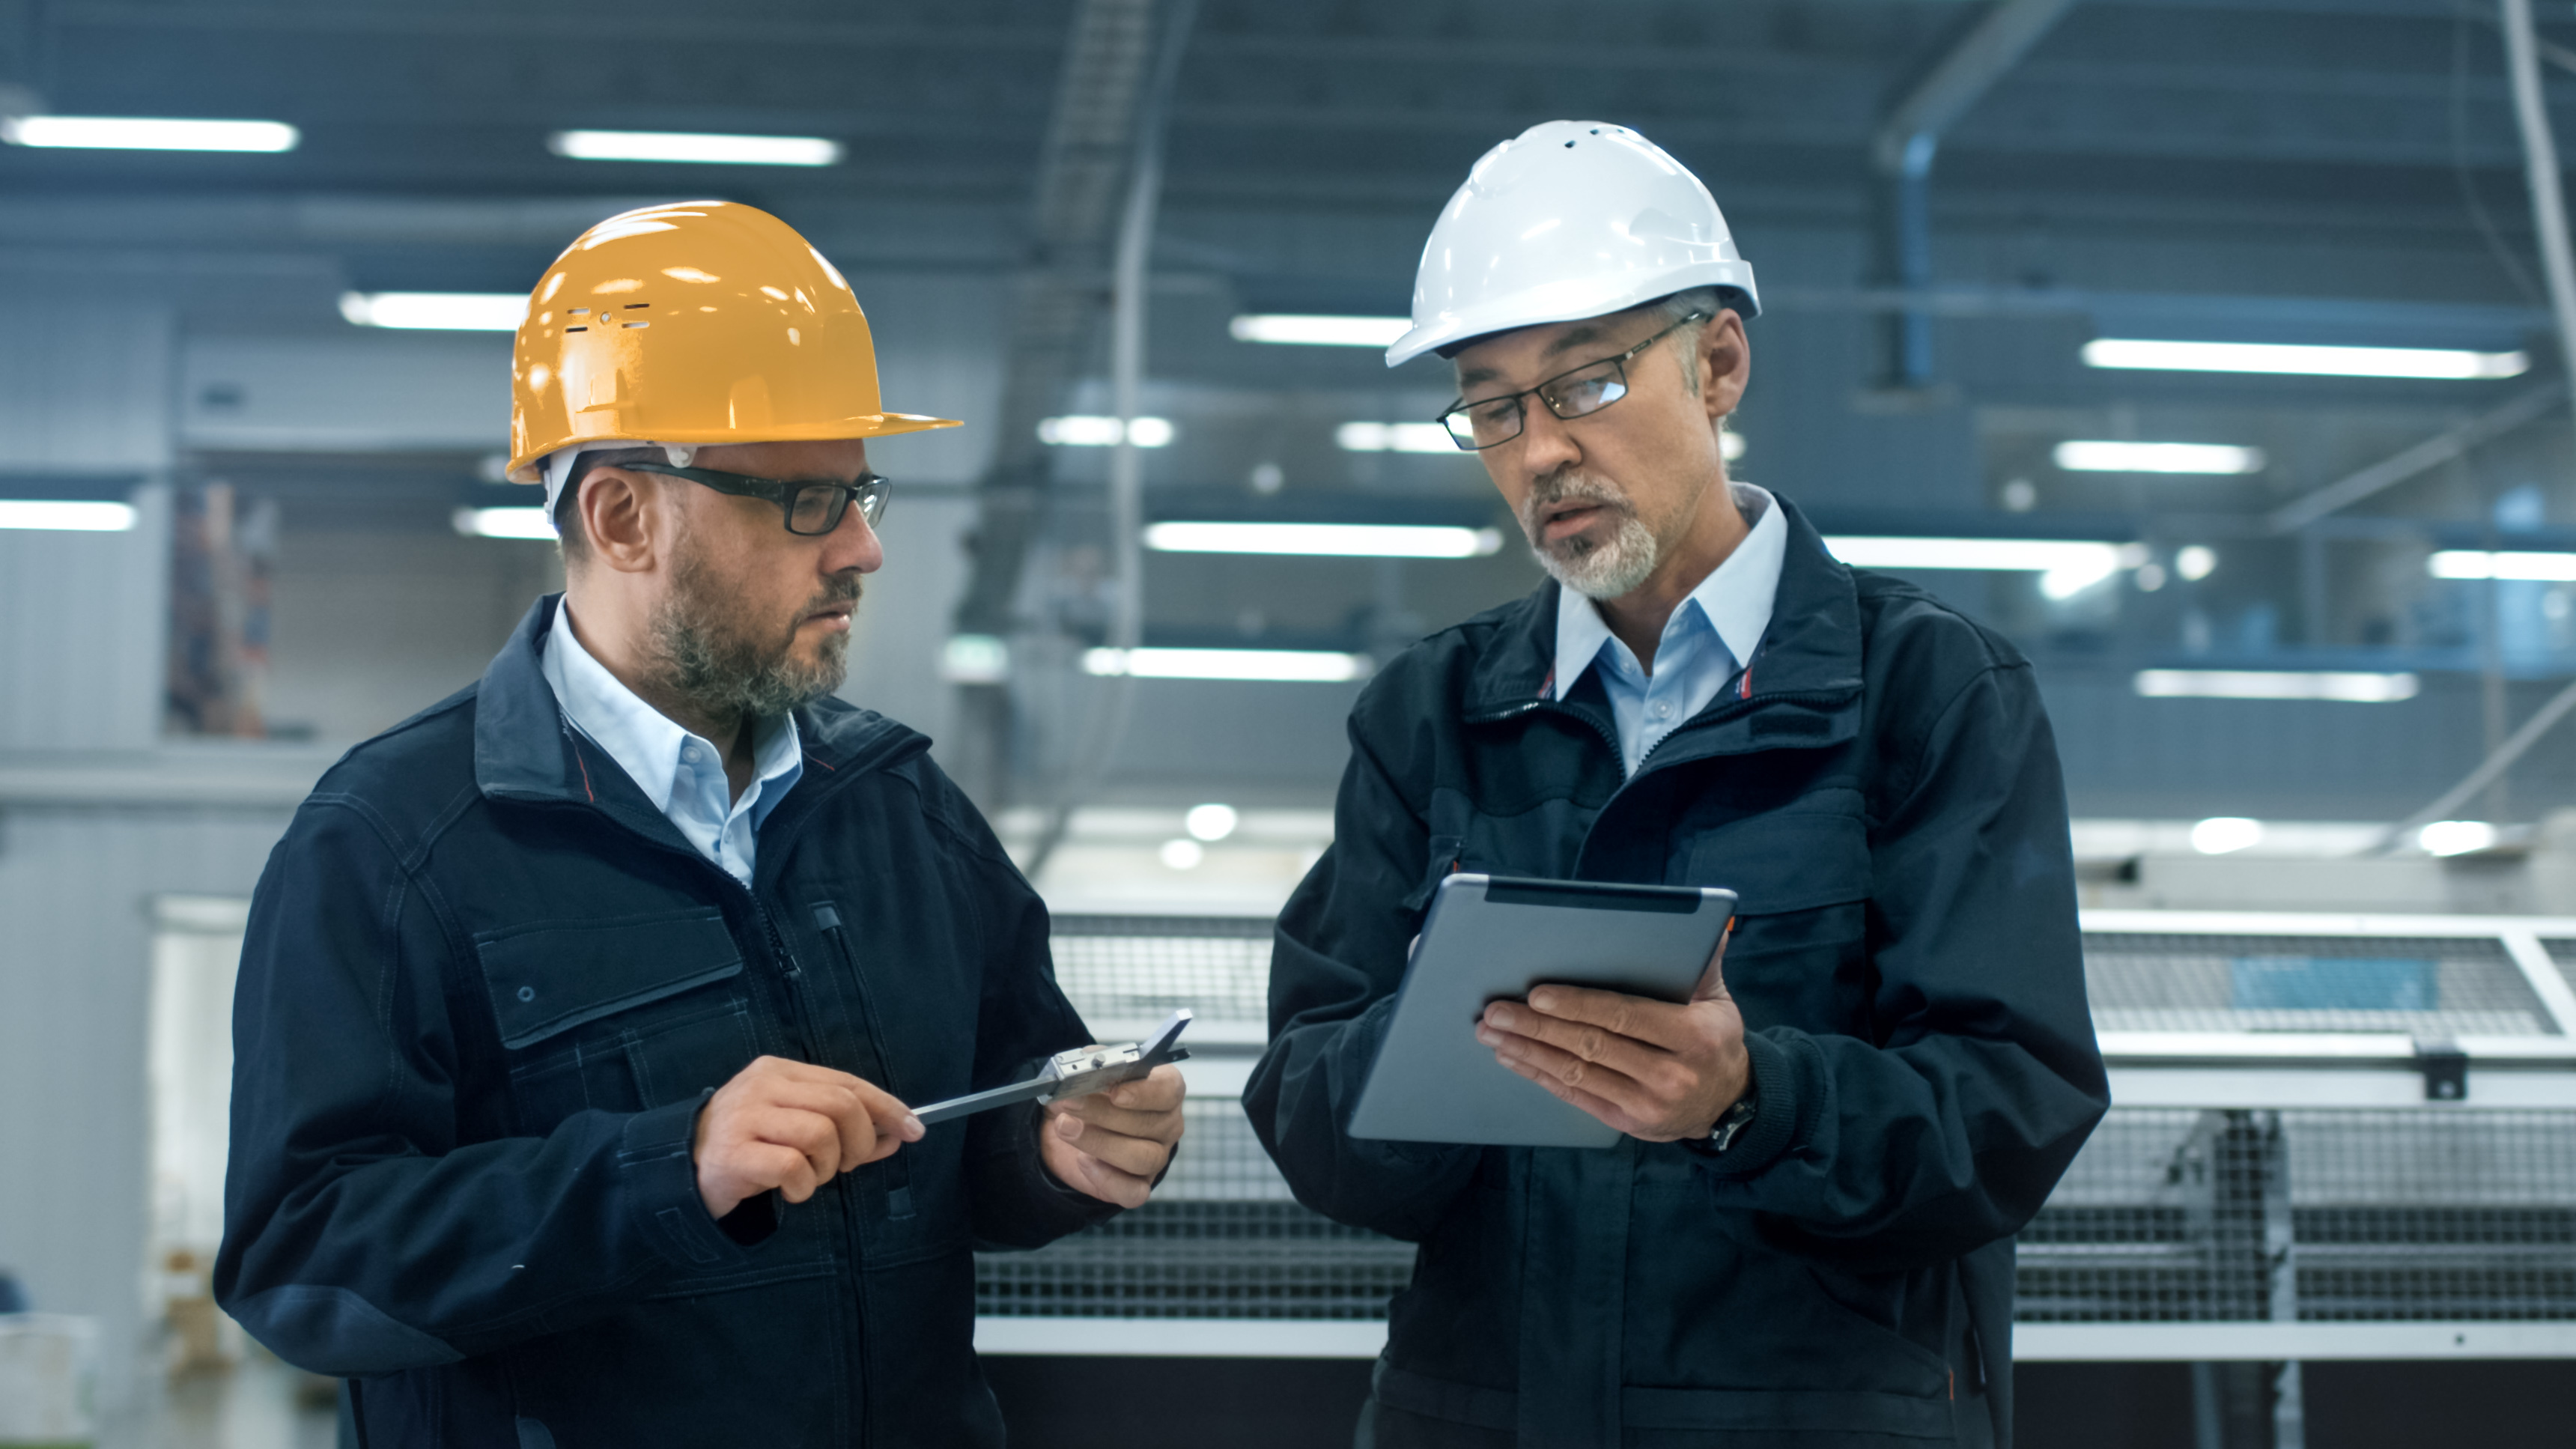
x: 1809, y: 657
x: 523, y: 751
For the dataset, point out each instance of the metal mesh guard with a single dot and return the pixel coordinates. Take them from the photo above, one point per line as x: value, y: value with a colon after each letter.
x: 2165, y: 1216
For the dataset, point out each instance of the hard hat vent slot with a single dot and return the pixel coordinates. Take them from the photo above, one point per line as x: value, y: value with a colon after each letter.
x: 579, y: 311
x: 576, y: 329
x: 631, y: 306
x: 639, y: 324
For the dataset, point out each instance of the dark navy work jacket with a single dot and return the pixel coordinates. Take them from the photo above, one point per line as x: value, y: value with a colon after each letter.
x: 1882, y: 790
x: 486, y: 988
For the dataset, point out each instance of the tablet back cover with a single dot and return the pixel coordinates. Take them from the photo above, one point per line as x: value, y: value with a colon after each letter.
x: 1487, y: 939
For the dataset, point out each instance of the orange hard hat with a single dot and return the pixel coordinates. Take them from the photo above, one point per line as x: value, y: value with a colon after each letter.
x: 697, y: 322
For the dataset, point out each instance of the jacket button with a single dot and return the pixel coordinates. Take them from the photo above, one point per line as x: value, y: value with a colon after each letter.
x: 527, y: 993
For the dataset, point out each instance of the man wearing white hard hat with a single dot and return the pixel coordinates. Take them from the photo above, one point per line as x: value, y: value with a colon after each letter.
x: 584, y: 1015
x: 1804, y: 1233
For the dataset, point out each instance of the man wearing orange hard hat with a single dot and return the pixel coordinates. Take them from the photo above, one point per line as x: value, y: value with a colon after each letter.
x: 583, y: 1016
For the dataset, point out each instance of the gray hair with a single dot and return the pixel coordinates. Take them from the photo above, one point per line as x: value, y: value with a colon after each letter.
x: 570, y: 535
x: 1668, y: 310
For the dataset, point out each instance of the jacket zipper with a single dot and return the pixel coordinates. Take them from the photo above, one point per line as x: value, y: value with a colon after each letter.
x: 827, y: 919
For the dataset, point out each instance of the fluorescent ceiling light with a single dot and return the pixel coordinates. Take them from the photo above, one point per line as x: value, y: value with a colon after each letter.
x: 502, y: 523
x: 1348, y: 540
x: 69, y: 517
x: 1282, y: 664
x: 1097, y: 432
x: 694, y: 147
x: 2435, y: 362
x: 2100, y: 456
x: 145, y: 133
x: 2456, y: 837
x: 2344, y: 687
x: 1300, y: 330
x: 437, y: 311
x: 2013, y: 555
x: 2225, y: 834
x: 1211, y: 822
x: 1394, y: 438
x: 2470, y: 563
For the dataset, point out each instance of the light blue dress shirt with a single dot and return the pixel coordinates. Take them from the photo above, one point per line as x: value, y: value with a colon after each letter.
x: 681, y: 773
x: 1719, y: 625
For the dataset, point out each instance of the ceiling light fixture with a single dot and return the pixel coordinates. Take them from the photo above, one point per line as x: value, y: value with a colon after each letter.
x: 2225, y: 834
x: 2456, y: 837
x: 2419, y: 362
x: 695, y: 148
x: 1394, y: 438
x: 2345, y: 687
x: 1300, y: 665
x: 1294, y: 329
x: 1211, y: 822
x: 2105, y: 456
x: 146, y: 133
x: 2471, y: 563
x: 66, y: 516
x: 1097, y: 432
x: 1338, y: 540
x: 503, y: 523
x: 436, y: 311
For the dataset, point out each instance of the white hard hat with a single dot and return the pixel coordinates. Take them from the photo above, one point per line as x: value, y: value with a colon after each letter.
x: 1568, y: 219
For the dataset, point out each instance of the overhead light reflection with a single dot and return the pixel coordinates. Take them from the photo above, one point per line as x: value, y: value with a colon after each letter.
x: 2419, y: 362
x: 436, y: 311
x: 1300, y: 330
x: 146, y: 133
x: 2340, y: 686
x: 2470, y: 563
x: 2109, y: 456
x: 1291, y: 665
x: 70, y: 517
x: 1346, y: 540
x: 695, y: 147
x: 502, y: 523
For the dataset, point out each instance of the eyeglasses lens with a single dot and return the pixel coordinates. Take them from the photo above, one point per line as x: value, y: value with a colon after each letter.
x: 1588, y: 391
x: 817, y: 509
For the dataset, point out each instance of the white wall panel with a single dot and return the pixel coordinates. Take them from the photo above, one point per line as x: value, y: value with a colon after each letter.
x: 84, y: 386
x: 83, y: 617
x: 75, y: 969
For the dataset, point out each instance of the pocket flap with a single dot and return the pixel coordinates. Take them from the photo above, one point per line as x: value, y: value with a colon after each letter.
x: 549, y: 978
x: 1793, y: 861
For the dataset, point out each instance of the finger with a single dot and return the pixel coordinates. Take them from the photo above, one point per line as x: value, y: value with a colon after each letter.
x: 813, y: 1134
x: 763, y: 1166
x: 1546, y: 1063
x: 1657, y: 1023
x: 1160, y: 1090
x: 892, y: 1117
x: 1143, y: 1156
x: 1600, y: 1107
x: 1092, y: 1177
x: 1712, y: 982
x: 1100, y: 1111
x: 837, y: 1102
x: 1602, y: 1044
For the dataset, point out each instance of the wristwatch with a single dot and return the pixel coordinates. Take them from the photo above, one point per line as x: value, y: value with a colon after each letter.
x: 1730, y: 1125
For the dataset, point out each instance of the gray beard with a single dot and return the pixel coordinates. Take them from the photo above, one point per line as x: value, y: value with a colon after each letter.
x: 1606, y: 570
x: 710, y: 660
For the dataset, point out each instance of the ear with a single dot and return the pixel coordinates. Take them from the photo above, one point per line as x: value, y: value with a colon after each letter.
x: 1725, y: 363
x: 626, y: 518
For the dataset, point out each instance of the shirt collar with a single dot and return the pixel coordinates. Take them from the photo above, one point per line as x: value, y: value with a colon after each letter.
x: 646, y: 742
x: 1735, y: 599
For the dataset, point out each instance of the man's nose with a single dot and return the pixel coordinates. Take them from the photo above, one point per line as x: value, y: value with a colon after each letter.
x: 1545, y: 443
x: 853, y: 545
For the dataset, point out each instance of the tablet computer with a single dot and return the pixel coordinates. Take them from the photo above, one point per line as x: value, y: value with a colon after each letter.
x: 1492, y: 937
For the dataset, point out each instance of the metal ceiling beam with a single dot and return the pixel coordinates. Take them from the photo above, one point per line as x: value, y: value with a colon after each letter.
x: 1902, y: 152
x: 2422, y: 458
x: 1091, y: 149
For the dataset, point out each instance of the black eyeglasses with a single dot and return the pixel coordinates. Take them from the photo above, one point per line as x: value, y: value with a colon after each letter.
x: 1488, y: 422
x: 807, y: 508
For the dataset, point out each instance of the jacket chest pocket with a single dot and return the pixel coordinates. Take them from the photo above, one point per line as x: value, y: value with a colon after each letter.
x: 617, y: 1015
x: 1799, y: 955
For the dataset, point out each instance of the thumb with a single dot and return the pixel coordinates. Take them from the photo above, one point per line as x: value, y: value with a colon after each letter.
x: 1712, y: 982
